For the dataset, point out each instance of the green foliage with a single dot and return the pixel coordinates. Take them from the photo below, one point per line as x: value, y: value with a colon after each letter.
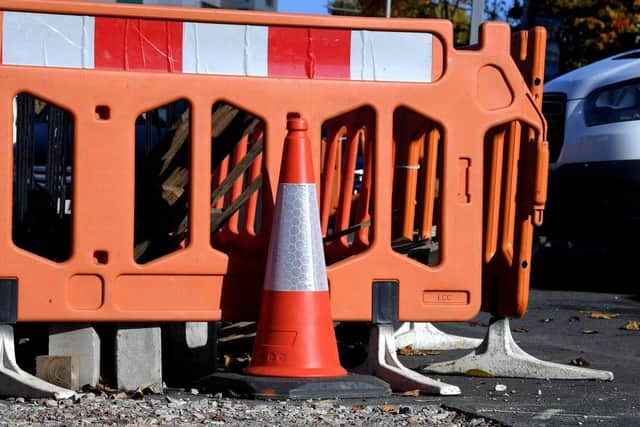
x: 590, y: 30
x: 345, y: 7
x: 457, y: 11
x: 587, y: 30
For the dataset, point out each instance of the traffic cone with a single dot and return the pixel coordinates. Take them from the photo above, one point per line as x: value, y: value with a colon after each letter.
x: 295, y: 336
x: 295, y: 355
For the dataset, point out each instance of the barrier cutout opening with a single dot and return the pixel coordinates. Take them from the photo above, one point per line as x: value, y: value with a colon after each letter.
x: 346, y: 186
x: 42, y: 172
x: 163, y: 156
x: 416, y: 207
x: 237, y: 179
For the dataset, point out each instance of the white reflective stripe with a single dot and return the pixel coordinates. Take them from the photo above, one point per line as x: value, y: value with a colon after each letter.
x: 224, y: 49
x: 391, y: 56
x: 296, y: 255
x: 48, y: 40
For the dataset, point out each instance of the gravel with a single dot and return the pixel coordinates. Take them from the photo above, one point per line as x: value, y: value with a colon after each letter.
x: 177, y: 408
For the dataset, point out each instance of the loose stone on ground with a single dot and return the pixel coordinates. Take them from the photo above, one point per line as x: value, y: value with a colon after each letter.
x: 185, y: 408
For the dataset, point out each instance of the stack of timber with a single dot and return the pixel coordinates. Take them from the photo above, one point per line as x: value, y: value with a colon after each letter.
x: 162, y: 181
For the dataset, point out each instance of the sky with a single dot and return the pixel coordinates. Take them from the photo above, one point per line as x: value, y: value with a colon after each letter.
x: 318, y: 7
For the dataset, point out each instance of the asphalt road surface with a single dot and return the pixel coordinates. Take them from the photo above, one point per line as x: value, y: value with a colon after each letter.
x: 568, y: 333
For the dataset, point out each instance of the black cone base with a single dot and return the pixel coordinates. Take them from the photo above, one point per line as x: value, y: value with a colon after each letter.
x: 279, y: 388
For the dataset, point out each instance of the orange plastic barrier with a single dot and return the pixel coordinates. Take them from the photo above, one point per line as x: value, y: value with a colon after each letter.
x: 516, y: 167
x: 382, y: 94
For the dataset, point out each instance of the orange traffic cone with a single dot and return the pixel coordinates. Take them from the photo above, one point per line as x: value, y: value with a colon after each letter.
x: 295, y: 355
x: 295, y: 336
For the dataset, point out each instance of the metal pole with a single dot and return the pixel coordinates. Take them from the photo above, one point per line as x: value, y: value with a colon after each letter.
x: 477, y: 16
x: 388, y: 10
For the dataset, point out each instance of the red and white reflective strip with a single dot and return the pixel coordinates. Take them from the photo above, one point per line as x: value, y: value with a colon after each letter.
x: 89, y: 42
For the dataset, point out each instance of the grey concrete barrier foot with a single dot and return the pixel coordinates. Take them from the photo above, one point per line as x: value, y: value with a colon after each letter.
x: 500, y: 356
x: 383, y: 362
x: 138, y: 349
x: 425, y: 336
x: 17, y: 383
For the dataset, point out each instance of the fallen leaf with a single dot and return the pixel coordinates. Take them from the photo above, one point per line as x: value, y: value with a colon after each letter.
x: 520, y: 330
x: 236, y: 362
x: 589, y: 331
x: 574, y: 319
x: 106, y: 389
x: 478, y: 324
x: 357, y: 408
x: 414, y: 393
x: 478, y: 373
x: 631, y: 326
x: 387, y: 408
x: 432, y: 352
x: 410, y: 351
x: 39, y: 105
x: 580, y: 361
x: 244, y: 360
x: 155, y: 388
x: 547, y: 319
x: 601, y: 315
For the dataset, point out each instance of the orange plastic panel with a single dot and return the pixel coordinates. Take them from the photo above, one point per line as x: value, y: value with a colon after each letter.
x: 516, y: 167
x: 201, y: 282
x: 86, y: 291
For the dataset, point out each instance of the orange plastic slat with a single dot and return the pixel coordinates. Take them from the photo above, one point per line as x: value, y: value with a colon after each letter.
x: 429, y: 182
x: 254, y: 171
x: 510, y: 186
x: 494, y: 195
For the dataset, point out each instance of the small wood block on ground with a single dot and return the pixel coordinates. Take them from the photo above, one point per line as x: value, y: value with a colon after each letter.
x: 63, y: 371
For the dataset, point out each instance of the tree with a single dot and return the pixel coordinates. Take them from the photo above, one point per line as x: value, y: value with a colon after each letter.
x: 457, y: 11
x: 587, y: 30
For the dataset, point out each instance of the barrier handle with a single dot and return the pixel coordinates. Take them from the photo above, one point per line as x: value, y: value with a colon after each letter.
x: 541, y: 181
x: 528, y: 51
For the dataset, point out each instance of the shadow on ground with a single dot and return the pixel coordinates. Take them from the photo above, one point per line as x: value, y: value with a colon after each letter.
x: 592, y: 269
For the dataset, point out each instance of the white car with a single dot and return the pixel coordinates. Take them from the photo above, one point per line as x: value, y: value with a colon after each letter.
x: 594, y: 137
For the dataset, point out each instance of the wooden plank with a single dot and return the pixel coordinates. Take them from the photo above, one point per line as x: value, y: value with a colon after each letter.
x: 219, y: 216
x: 182, y: 128
x: 174, y: 186
x: 63, y: 371
x: 236, y: 172
x: 347, y: 231
x: 218, y: 221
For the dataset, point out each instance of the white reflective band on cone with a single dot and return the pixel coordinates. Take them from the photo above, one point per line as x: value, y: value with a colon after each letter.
x: 296, y: 255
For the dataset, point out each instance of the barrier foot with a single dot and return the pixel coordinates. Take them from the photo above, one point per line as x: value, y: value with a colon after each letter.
x: 351, y: 386
x: 425, y: 336
x: 15, y: 382
x: 500, y: 356
x: 383, y: 362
